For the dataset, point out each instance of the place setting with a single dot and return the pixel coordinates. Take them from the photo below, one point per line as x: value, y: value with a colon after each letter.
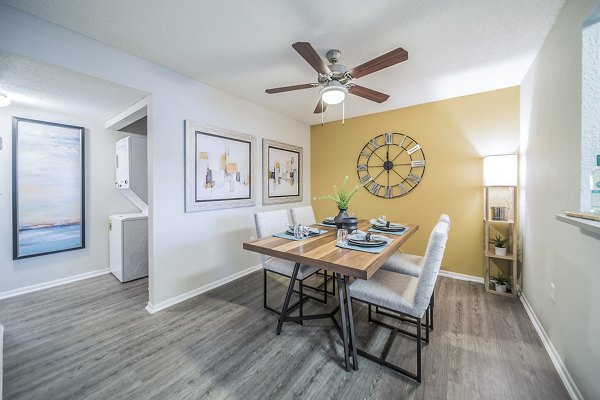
x: 362, y: 241
x: 382, y: 225
x: 300, y: 232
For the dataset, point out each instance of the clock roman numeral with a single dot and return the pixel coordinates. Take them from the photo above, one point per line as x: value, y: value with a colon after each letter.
x: 374, y: 188
x: 389, y: 192
x: 402, y: 189
x: 417, y: 163
x: 362, y: 167
x: 402, y: 140
x: 389, y: 138
x: 414, y: 178
x: 415, y: 148
x: 373, y: 142
x: 366, y: 178
x: 366, y: 153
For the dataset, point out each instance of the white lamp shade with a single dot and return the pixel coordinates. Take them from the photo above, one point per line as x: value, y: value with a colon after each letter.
x: 500, y: 170
x: 335, y: 93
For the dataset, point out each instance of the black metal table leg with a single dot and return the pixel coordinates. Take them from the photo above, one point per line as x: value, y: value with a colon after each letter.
x: 343, y: 318
x: 286, y: 302
x: 351, y: 322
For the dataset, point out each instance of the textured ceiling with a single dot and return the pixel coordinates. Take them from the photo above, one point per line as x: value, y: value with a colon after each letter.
x: 456, y: 47
x: 33, y: 84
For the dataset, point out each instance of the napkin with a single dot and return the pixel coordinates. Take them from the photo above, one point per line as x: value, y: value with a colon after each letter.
x: 363, y: 236
x: 376, y: 222
x: 307, y: 230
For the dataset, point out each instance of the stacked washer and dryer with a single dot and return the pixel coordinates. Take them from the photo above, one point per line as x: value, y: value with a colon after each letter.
x: 128, y: 232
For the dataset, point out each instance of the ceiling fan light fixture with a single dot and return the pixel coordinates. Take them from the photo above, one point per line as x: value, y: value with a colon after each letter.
x: 334, y: 93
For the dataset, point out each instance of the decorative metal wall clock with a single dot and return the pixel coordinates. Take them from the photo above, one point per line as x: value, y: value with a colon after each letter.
x: 391, y: 165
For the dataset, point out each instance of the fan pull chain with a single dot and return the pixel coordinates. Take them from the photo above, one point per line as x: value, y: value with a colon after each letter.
x: 343, y: 111
x: 322, y: 112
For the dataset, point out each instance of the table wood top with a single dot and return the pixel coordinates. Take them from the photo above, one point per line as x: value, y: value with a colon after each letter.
x: 321, y: 251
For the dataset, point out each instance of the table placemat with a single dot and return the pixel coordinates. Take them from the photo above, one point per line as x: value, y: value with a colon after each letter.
x: 375, y: 230
x: 374, y: 250
x: 289, y: 236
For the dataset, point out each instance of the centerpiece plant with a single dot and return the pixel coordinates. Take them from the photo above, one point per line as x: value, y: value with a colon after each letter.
x: 341, y: 197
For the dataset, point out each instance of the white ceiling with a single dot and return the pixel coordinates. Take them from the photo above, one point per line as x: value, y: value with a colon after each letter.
x: 455, y: 47
x: 33, y: 84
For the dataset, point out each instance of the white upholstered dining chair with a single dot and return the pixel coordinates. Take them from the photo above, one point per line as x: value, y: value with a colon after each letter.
x: 303, y: 215
x: 405, y: 295
x: 410, y: 264
x: 267, y: 224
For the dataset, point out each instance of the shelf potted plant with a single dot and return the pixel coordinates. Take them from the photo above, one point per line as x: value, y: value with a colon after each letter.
x: 500, y: 282
x: 499, y: 245
x: 341, y: 198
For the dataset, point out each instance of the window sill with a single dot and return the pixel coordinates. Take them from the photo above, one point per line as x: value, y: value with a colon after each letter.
x: 585, y: 224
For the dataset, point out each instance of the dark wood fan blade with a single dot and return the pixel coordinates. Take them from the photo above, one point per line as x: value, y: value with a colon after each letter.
x: 368, y: 94
x: 387, y: 60
x: 310, y: 55
x: 318, y: 108
x: 290, y: 88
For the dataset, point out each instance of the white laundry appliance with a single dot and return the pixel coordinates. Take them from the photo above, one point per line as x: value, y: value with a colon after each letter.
x: 128, y: 233
x: 128, y: 241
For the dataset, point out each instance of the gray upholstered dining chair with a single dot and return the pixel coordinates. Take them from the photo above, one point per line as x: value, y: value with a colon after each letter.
x: 303, y: 215
x: 410, y: 264
x: 406, y: 295
x: 268, y: 223
x: 306, y: 216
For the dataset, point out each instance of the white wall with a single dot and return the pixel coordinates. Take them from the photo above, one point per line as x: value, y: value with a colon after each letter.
x: 550, y: 164
x: 187, y: 251
x: 102, y: 200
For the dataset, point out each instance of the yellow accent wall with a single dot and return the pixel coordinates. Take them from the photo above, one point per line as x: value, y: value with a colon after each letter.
x: 455, y: 134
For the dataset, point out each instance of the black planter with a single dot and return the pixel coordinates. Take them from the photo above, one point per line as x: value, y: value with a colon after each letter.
x: 339, y: 219
x: 350, y: 224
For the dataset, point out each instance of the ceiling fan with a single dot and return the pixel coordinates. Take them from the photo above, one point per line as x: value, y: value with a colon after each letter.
x: 337, y: 80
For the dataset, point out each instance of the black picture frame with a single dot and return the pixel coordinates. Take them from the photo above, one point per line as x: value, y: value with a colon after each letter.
x: 33, y: 236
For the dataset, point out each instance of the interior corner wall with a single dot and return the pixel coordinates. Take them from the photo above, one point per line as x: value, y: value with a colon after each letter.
x: 455, y: 134
x: 555, y: 252
x: 102, y: 200
x: 187, y: 250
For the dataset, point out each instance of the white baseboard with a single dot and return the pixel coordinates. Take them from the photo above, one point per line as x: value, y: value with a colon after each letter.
x: 564, y: 374
x: 153, y: 308
x: 461, y: 277
x: 58, y: 282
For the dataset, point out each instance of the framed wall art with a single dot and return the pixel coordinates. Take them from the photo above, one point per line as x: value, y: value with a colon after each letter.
x: 48, y: 188
x: 282, y: 173
x: 218, y: 168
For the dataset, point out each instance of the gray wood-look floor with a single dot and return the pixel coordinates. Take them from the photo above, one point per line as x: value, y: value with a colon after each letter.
x: 93, y: 340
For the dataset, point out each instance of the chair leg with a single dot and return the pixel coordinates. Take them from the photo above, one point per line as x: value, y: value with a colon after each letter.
x: 431, y: 304
x: 427, y: 312
x: 301, y: 299
x: 419, y: 349
x: 333, y: 283
x: 325, y: 287
x: 264, y: 288
x: 370, y: 313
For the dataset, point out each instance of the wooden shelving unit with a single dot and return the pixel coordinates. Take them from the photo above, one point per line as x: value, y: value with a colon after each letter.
x: 506, y: 225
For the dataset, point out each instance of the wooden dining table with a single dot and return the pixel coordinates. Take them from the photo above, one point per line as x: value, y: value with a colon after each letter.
x: 322, y: 251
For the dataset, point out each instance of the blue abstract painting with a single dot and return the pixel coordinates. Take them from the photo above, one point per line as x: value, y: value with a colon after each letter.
x: 48, y: 194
